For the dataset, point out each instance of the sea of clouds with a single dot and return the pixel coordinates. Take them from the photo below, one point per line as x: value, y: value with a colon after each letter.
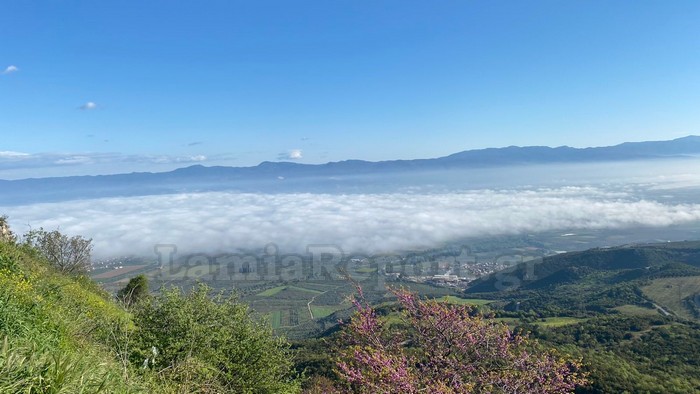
x: 359, y: 223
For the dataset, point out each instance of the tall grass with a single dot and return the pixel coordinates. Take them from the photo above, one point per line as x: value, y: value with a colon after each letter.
x: 33, y: 368
x: 52, y: 331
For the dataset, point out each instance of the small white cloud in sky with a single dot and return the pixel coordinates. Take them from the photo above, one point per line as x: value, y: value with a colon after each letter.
x: 88, y: 106
x: 10, y: 70
x: 294, y: 154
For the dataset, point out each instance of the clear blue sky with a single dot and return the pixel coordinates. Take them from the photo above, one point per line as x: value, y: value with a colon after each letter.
x: 111, y: 86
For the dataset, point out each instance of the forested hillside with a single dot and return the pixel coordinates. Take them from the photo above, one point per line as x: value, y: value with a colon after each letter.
x: 632, y: 312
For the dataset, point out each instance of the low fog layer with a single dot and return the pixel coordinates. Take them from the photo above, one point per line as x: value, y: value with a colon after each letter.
x: 369, y: 223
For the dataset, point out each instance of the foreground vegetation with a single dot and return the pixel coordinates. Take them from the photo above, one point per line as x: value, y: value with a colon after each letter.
x: 594, y: 322
x: 628, y: 313
x: 61, y: 333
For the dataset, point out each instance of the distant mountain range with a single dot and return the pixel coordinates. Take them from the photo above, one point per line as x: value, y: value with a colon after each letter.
x: 266, y: 175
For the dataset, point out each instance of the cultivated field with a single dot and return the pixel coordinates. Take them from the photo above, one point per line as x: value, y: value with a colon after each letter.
x: 670, y: 293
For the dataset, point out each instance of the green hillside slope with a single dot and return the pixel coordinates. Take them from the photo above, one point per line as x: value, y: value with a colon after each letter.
x: 62, y: 334
x: 638, y: 327
x: 57, y: 332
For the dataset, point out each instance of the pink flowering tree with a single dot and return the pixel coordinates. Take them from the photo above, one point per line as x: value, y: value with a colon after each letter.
x: 447, y: 349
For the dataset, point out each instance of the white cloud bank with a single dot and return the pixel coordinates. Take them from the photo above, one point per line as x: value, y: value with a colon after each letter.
x: 7, y: 154
x: 224, y: 222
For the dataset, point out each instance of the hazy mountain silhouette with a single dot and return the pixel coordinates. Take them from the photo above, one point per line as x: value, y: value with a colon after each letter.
x: 305, y: 177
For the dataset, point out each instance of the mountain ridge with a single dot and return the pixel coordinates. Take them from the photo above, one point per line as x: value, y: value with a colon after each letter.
x: 213, y: 178
x: 524, y: 154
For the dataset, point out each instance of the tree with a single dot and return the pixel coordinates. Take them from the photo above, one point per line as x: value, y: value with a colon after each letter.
x: 69, y: 255
x: 134, y: 291
x: 210, y: 344
x: 6, y: 235
x: 448, y: 349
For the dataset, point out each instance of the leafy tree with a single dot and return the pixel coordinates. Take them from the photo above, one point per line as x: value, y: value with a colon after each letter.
x: 210, y: 344
x: 448, y: 350
x: 70, y: 255
x: 134, y: 291
x: 6, y: 235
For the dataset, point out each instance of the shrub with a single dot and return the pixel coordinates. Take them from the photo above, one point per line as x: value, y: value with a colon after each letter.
x: 134, y: 291
x: 213, y: 343
x: 448, y: 350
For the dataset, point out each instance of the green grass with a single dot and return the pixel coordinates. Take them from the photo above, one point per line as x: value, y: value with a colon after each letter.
x: 559, y: 321
x: 321, y: 311
x: 312, y: 291
x: 271, y: 292
x: 55, y: 331
x: 276, y: 319
x: 550, y: 322
x: 670, y: 292
x: 546, y: 322
x: 324, y: 286
x: 182, y: 272
x: 366, y: 270
x: 635, y: 310
x: 464, y: 301
x: 276, y: 290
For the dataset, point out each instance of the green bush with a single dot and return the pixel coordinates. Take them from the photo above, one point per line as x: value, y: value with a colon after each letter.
x: 211, y: 342
x: 134, y: 291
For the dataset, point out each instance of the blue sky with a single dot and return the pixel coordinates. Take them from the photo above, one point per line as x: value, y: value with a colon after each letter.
x: 113, y: 86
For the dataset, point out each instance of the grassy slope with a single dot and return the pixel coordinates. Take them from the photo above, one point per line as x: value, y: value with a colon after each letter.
x: 672, y: 293
x: 56, y: 332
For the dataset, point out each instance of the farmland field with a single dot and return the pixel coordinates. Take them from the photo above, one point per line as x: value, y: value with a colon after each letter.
x: 276, y: 290
x: 119, y: 271
x: 634, y: 310
x: 275, y: 319
x: 670, y: 293
x: 464, y: 301
x: 321, y: 311
x: 271, y: 292
x: 546, y: 322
